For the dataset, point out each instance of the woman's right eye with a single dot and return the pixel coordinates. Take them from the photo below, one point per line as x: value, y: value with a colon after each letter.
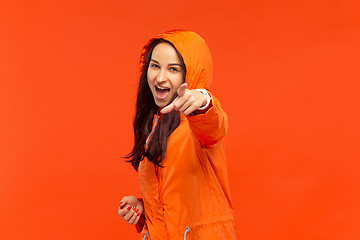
x: 153, y: 65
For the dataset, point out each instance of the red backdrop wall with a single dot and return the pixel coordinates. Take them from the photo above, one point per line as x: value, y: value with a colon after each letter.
x: 286, y: 72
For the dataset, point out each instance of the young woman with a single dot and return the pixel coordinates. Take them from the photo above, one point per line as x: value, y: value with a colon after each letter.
x: 179, y: 150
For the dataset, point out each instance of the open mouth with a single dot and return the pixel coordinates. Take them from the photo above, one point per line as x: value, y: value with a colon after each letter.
x: 162, y: 92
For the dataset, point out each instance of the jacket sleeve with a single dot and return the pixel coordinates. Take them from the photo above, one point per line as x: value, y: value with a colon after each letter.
x: 211, y: 126
x: 140, y: 224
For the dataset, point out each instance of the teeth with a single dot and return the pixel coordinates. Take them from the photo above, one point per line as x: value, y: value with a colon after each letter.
x: 162, y: 88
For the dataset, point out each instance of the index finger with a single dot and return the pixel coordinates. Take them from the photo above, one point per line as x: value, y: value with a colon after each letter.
x: 123, y: 202
x: 168, y: 108
x: 182, y: 89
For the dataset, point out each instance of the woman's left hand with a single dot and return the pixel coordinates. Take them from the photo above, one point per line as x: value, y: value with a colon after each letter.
x: 186, y: 102
x: 130, y: 209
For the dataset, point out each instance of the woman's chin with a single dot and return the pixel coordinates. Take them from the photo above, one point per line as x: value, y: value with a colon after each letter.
x: 161, y: 104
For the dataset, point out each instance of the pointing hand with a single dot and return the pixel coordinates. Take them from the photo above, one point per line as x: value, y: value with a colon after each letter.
x: 186, y: 102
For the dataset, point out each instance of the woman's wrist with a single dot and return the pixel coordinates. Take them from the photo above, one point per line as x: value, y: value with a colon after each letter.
x: 206, y: 103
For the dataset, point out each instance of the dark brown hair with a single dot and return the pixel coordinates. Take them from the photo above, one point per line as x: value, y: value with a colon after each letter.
x: 145, y: 111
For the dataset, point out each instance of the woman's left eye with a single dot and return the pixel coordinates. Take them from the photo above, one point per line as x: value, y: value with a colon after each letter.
x: 174, y: 69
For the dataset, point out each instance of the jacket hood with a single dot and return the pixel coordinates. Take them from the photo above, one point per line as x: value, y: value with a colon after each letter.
x: 196, y: 55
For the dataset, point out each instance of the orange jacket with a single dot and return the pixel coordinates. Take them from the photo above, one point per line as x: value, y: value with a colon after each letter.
x: 189, y: 197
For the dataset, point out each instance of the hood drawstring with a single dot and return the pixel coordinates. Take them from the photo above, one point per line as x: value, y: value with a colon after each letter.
x: 186, y: 232
x: 152, y: 130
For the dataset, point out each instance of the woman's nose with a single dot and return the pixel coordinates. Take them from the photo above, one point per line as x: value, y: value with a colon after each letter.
x: 161, y: 77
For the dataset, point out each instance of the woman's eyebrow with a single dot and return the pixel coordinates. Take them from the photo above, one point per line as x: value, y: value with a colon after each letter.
x: 170, y: 64
x: 154, y: 60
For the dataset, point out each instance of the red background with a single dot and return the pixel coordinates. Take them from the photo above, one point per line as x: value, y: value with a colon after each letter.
x: 286, y: 72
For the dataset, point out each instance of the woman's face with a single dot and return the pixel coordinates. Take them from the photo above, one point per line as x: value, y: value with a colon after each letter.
x: 165, y: 74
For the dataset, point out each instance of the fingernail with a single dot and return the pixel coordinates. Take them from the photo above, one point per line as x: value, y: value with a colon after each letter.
x: 134, y: 207
x: 120, y: 202
x: 137, y: 210
x: 138, y: 214
x: 129, y: 208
